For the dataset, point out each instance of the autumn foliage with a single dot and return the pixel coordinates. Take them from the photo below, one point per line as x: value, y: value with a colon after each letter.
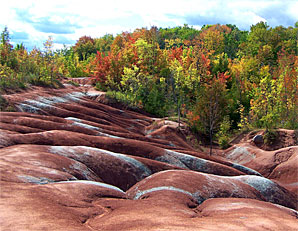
x: 217, y: 78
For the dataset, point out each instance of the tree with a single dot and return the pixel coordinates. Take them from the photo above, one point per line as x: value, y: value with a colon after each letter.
x: 287, y: 80
x: 258, y: 36
x: 184, y: 34
x: 233, y: 40
x: 5, y: 36
x: 7, y: 55
x: 48, y: 47
x: 84, y: 47
x: 49, y: 59
x: 212, y: 39
x: 104, y: 43
x: 210, y: 107
x: 20, y: 46
x: 266, y: 104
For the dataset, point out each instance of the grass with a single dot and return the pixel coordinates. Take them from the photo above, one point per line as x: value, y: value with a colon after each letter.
x: 270, y: 137
x: 73, y: 83
x: 3, y: 103
x: 5, y: 106
x: 124, y: 99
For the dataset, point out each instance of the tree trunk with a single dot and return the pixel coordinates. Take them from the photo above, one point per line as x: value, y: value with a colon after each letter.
x: 211, y: 141
x: 179, y: 111
x: 178, y: 116
x: 211, y: 118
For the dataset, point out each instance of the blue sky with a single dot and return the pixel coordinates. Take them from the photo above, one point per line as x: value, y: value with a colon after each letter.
x: 32, y: 21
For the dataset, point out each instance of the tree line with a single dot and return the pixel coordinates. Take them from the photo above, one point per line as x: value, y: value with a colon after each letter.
x: 218, y: 78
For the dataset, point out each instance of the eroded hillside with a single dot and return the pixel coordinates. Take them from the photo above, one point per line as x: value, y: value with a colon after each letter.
x: 69, y: 162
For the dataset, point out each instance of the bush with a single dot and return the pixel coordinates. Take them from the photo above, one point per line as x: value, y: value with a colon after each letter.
x: 154, y: 101
x: 73, y: 83
x: 119, y: 97
x: 3, y: 103
x: 270, y: 137
x: 223, y: 134
x: 10, y: 79
x: 224, y: 142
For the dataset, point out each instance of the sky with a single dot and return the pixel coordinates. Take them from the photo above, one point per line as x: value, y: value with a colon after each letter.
x: 31, y: 22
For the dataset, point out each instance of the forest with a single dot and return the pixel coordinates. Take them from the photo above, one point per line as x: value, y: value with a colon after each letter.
x: 218, y: 79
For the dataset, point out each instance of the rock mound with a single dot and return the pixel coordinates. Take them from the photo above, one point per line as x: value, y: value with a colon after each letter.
x: 68, y: 162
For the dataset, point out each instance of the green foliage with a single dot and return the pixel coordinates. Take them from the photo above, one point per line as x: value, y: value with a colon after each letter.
x: 124, y: 99
x: 202, y: 75
x: 10, y: 80
x: 5, y: 36
x: 3, y: 103
x: 220, y: 64
x: 182, y: 33
x: 244, y: 124
x: 211, y: 107
x: 178, y: 71
x: 19, y: 68
x: 270, y: 137
x: 145, y: 91
x: 155, y: 102
x: 266, y: 105
x: 233, y: 40
x: 223, y: 133
x: 104, y: 43
x: 73, y: 83
x: 84, y: 47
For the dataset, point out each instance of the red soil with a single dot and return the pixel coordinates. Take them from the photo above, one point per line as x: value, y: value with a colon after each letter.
x: 68, y: 162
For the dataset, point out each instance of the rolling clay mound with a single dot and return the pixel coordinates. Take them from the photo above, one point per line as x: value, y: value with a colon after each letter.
x: 278, y: 165
x: 282, y: 138
x: 68, y: 162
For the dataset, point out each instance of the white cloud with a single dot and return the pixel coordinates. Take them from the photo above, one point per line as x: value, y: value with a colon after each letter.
x: 76, y: 18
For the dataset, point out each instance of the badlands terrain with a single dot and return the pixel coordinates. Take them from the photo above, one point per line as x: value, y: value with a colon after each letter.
x: 68, y: 161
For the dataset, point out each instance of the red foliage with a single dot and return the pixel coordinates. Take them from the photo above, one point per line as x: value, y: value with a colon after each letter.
x: 192, y: 117
x: 84, y: 40
x: 205, y: 65
x: 223, y: 77
x: 287, y: 64
x: 206, y: 61
x: 102, y: 67
x: 176, y: 53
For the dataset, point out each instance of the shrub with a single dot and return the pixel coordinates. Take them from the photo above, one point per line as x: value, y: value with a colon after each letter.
x: 3, y: 103
x: 119, y: 97
x: 223, y: 134
x: 270, y: 137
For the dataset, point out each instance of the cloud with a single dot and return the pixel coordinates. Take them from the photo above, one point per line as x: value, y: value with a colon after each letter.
x: 49, y: 24
x: 241, y: 13
x: 68, y: 20
x: 278, y: 14
x: 19, y: 35
x: 245, y: 13
x: 23, y: 15
x: 243, y: 20
x: 63, y: 40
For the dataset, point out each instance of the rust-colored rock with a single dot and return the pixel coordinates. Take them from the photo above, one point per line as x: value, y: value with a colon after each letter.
x: 68, y: 162
x: 278, y: 165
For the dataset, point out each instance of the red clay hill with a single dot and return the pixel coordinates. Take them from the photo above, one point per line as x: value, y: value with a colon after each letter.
x: 69, y: 162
